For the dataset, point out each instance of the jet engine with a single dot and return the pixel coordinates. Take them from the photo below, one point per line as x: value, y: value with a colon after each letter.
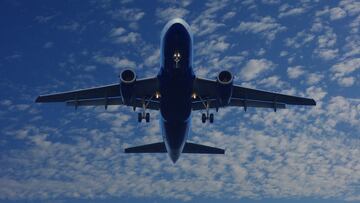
x: 127, y: 85
x: 225, y: 86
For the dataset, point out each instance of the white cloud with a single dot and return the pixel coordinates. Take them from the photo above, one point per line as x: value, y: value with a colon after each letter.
x: 44, y: 19
x: 117, y: 31
x: 340, y: 71
x: 266, y: 26
x: 352, y: 7
x: 316, y: 92
x: 272, y: 81
x: 229, y: 15
x: 131, y: 37
x: 115, y: 62
x: 295, y: 71
x: 346, y: 67
x: 326, y: 54
x: 48, y: 45
x: 6, y: 102
x: 346, y: 81
x: 327, y: 40
x: 70, y: 26
x: 210, y: 47
x: 204, y: 26
x: 270, y: 1
x: 314, y: 78
x: 300, y: 39
x: 254, y: 68
x: 337, y: 13
x: 128, y: 14
x: 166, y: 14
x: 90, y: 68
x: 153, y: 59
x: 292, y: 12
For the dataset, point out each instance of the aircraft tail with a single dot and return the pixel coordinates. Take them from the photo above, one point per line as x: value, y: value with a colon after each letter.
x: 201, y: 149
x: 189, y: 147
x: 158, y: 147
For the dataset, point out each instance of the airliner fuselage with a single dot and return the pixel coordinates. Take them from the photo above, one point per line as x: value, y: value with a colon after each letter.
x: 176, y: 78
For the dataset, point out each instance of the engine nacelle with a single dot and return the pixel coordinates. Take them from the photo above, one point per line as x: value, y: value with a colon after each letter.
x: 224, y: 87
x: 127, y: 85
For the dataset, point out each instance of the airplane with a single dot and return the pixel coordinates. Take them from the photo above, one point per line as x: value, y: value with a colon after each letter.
x: 176, y: 91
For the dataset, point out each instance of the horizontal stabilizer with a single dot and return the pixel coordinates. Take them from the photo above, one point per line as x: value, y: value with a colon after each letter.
x: 158, y: 147
x: 201, y: 149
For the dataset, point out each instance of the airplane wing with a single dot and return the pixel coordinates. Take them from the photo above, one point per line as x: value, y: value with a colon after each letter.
x: 207, y: 93
x: 144, y: 89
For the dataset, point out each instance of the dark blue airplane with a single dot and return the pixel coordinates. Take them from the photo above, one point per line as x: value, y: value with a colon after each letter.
x: 176, y: 92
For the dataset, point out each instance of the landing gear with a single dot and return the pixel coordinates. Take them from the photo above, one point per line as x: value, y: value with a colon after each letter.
x: 140, y: 117
x: 147, y: 117
x: 144, y: 114
x: 211, y: 118
x: 203, y: 118
x: 207, y: 115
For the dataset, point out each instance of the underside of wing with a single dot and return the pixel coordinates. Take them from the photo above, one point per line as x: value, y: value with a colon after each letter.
x: 208, y: 95
x: 261, y: 95
x: 142, y: 93
x: 150, y: 103
x: 90, y: 93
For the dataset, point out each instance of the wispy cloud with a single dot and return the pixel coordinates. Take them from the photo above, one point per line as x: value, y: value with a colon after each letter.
x: 265, y: 26
x: 254, y: 67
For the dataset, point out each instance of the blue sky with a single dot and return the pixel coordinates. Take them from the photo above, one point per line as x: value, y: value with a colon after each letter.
x: 52, y: 153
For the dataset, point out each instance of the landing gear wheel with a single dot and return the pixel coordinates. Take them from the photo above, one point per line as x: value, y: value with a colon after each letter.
x: 139, y: 117
x: 147, y: 117
x: 211, y: 118
x: 203, y: 118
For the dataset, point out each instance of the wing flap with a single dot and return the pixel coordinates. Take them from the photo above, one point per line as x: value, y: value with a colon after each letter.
x: 158, y: 147
x: 151, y: 104
x: 193, y: 148
x: 256, y: 104
x: 199, y: 105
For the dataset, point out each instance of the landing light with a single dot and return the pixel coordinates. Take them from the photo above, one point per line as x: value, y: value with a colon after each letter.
x: 193, y: 95
x: 157, y: 95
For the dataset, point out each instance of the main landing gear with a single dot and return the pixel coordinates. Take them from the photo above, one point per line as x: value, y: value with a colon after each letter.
x: 206, y: 116
x: 144, y: 115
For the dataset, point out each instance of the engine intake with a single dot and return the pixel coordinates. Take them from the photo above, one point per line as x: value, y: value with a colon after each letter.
x: 127, y: 76
x: 127, y: 85
x: 225, y: 86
